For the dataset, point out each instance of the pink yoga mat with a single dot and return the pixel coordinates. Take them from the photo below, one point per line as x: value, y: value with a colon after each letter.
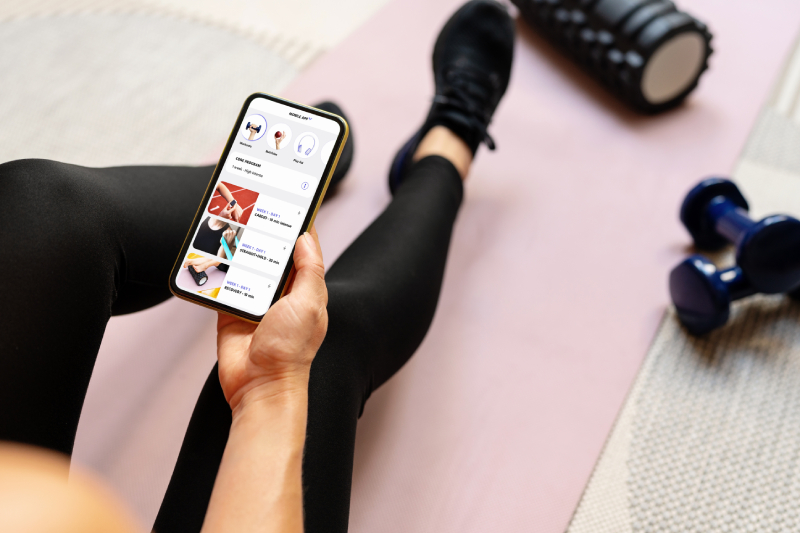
x: 557, y: 273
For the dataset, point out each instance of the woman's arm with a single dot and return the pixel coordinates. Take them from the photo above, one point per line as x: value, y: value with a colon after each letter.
x: 228, y: 235
x: 258, y: 486
x: 264, y: 374
x: 224, y: 192
x: 200, y: 264
x: 234, y: 212
x: 39, y: 494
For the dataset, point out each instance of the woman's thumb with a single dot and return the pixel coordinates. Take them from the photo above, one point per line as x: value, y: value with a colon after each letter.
x: 310, y: 277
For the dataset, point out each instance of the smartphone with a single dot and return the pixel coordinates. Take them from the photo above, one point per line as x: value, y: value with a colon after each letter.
x: 279, y: 191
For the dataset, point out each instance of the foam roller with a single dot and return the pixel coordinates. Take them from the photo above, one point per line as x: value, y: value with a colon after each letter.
x: 650, y: 54
x: 199, y: 277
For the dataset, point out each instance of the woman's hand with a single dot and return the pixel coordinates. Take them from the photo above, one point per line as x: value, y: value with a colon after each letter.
x: 259, y: 363
x: 264, y: 373
x: 229, y: 212
x: 237, y: 212
x: 226, y: 211
x: 200, y: 264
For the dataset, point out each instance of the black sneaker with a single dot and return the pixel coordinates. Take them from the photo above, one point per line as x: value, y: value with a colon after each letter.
x: 471, y: 66
x: 346, y: 159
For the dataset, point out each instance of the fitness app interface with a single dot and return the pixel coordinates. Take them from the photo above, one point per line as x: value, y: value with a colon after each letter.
x: 248, y: 229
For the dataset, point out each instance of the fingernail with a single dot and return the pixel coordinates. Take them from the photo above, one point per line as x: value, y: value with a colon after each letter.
x: 309, y: 240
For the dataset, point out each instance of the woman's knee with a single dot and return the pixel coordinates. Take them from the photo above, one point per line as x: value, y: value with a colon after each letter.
x: 52, y: 199
x: 39, y: 190
x: 54, y: 219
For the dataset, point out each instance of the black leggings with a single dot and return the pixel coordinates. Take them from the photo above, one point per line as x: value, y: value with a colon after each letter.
x: 80, y: 245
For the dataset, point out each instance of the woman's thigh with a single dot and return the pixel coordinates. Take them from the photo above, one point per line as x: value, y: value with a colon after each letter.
x: 79, y: 245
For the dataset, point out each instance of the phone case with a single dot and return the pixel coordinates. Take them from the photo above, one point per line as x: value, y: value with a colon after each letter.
x: 308, y: 222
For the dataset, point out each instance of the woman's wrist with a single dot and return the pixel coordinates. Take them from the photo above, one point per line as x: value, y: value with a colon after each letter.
x: 287, y: 390
x: 261, y: 470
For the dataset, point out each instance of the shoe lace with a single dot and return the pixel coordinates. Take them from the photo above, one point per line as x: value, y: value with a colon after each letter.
x: 469, y: 90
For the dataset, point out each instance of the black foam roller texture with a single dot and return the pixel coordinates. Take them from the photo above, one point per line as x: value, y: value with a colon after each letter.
x: 614, y: 39
x: 199, y: 277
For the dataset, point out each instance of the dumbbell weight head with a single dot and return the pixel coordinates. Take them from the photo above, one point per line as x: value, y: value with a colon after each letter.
x: 694, y: 211
x: 767, y: 251
x: 769, y: 254
x: 702, y: 295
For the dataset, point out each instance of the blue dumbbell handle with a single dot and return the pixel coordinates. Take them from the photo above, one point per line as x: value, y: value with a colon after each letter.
x: 736, y: 282
x: 767, y: 251
x: 730, y: 220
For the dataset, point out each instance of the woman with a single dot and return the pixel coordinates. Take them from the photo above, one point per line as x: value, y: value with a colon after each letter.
x: 240, y: 465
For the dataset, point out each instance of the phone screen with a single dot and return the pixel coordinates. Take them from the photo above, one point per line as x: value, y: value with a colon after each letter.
x: 265, y: 190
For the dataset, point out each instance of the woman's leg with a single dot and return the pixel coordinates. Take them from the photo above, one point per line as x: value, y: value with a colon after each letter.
x: 383, y: 292
x: 79, y: 245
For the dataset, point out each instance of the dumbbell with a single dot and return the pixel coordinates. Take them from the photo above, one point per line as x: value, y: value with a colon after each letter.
x: 647, y: 52
x: 767, y: 255
x: 257, y: 128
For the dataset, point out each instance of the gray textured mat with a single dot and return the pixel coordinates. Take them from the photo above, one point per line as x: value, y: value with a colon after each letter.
x: 709, y: 438
x: 113, y: 89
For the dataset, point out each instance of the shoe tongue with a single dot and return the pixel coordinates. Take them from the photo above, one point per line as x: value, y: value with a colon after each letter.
x: 464, y: 103
x: 469, y: 89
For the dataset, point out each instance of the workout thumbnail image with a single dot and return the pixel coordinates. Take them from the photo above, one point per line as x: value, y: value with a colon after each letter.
x: 232, y: 202
x: 254, y: 127
x: 202, y: 275
x: 218, y: 238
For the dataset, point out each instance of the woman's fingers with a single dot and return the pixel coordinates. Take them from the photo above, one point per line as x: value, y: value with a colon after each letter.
x: 309, y: 282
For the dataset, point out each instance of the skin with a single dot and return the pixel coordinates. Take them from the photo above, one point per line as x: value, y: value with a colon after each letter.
x: 253, y: 132
x: 229, y: 212
x: 441, y: 141
x: 200, y: 264
x: 38, y: 494
x: 263, y: 370
x: 228, y: 235
x: 215, y: 224
x: 279, y: 140
x: 264, y: 374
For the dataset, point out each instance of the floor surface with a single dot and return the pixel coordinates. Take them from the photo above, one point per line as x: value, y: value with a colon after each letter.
x: 557, y: 275
x: 136, y: 82
x: 557, y: 278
